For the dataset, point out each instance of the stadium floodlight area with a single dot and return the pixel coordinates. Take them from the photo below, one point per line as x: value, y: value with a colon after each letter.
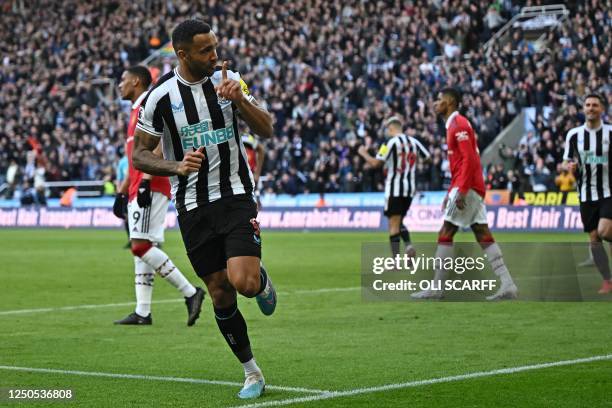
x: 534, y: 21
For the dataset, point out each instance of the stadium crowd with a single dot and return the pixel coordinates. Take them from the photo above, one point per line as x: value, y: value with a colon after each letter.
x: 330, y: 72
x: 576, y: 64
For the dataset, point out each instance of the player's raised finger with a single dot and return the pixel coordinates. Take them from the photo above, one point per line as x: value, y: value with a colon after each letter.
x: 224, y: 71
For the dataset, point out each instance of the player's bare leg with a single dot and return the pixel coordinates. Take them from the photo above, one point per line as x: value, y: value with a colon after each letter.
x: 234, y: 328
x: 604, y: 229
x: 248, y: 275
x: 600, y: 257
x: 484, y: 237
x: 443, y: 250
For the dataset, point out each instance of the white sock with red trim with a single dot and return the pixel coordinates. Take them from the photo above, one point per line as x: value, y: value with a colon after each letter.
x: 159, y: 261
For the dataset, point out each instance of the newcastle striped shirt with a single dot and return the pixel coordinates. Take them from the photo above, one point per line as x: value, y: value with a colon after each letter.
x: 400, y: 155
x: 187, y: 115
x: 591, y: 148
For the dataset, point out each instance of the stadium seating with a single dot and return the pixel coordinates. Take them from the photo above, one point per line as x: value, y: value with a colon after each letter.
x: 329, y: 77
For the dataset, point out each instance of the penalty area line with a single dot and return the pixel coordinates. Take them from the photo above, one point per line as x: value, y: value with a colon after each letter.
x: 420, y: 383
x: 155, y: 378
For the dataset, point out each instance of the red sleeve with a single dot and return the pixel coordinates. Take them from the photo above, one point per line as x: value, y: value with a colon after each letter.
x: 469, y: 163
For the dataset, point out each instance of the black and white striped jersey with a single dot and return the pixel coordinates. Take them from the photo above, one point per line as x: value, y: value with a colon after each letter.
x: 400, y: 155
x: 591, y: 148
x: 189, y: 115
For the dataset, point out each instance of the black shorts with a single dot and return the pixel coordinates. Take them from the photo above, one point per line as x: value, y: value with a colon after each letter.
x: 223, y: 229
x: 397, y: 206
x: 592, y: 211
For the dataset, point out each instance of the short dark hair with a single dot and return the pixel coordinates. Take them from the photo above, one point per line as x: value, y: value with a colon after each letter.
x: 184, y: 32
x: 453, y: 93
x: 142, y: 73
x: 597, y: 96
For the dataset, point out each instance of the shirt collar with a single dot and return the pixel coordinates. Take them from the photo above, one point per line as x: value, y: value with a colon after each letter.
x: 451, y: 118
x: 183, y: 80
x: 138, y: 100
x: 593, y: 130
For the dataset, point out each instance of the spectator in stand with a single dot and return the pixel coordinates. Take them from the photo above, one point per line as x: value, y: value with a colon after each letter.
x: 51, y: 75
x: 498, y: 180
x: 565, y: 181
x: 540, y: 176
x: 12, y: 178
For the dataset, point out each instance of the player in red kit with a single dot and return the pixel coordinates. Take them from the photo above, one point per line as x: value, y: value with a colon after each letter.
x: 148, y: 198
x: 464, y: 204
x: 256, y: 154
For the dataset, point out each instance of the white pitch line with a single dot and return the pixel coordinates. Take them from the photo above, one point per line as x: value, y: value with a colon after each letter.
x: 325, y: 290
x: 156, y: 378
x: 411, y: 384
x: 78, y: 307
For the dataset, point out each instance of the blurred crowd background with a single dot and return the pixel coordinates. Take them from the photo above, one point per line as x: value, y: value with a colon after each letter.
x: 330, y: 73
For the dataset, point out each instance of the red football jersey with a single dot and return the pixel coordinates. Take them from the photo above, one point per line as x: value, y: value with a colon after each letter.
x: 466, y: 171
x: 250, y: 145
x: 159, y: 184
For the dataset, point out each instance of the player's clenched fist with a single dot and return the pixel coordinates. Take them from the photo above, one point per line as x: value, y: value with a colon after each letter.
x: 229, y: 89
x: 191, y: 163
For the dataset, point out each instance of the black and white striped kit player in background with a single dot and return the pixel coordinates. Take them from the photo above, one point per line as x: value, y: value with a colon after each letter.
x: 399, y: 156
x: 194, y: 109
x: 588, y: 153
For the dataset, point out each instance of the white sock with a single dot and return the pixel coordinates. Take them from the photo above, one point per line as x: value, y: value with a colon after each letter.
x: 250, y: 367
x: 143, y: 285
x: 443, y: 251
x: 496, y: 259
x: 179, y: 281
x: 159, y: 261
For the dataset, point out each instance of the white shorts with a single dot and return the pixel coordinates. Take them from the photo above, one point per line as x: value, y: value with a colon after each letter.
x: 474, y: 211
x: 148, y: 223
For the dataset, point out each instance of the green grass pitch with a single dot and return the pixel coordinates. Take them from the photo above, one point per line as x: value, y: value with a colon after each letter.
x: 320, y: 338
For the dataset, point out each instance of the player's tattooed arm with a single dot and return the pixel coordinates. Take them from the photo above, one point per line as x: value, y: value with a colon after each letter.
x: 145, y: 159
x: 157, y: 152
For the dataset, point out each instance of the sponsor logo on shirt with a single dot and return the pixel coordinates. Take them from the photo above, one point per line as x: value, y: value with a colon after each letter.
x: 462, y: 136
x: 177, y: 108
x: 202, y: 134
x: 591, y: 158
